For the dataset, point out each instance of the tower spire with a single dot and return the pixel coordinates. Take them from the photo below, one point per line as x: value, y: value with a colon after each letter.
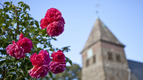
x: 101, y: 33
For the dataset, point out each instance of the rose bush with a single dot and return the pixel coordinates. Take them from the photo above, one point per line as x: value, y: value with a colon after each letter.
x: 25, y: 63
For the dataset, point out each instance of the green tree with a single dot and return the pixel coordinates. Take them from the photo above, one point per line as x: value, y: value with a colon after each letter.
x: 72, y: 73
x: 13, y: 21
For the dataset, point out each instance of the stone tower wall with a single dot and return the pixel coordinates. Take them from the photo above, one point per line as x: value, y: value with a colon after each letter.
x: 114, y: 69
x: 94, y: 71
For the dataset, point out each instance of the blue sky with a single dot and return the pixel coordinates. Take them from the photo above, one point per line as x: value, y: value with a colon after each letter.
x: 123, y: 17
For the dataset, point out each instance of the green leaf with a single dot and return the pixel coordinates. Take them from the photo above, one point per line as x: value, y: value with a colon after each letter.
x: 68, y: 60
x: 36, y: 23
x: 21, y: 2
x: 2, y: 63
x: 7, y: 3
x: 66, y: 49
x: 51, y: 74
x: 31, y: 23
x: 54, y: 38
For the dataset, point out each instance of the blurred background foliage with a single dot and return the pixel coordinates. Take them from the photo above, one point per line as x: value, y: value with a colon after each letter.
x: 15, y: 19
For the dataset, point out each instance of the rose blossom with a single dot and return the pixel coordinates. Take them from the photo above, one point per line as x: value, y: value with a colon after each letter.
x: 44, y: 22
x: 58, y: 56
x: 53, y: 14
x: 45, y: 55
x: 53, y: 21
x: 25, y: 43
x: 57, y: 67
x: 55, y: 29
x: 39, y: 71
x: 40, y: 59
x: 15, y: 50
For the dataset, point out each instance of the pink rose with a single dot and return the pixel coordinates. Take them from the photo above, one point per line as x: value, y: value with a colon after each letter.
x: 53, y: 14
x: 45, y: 55
x: 55, y: 29
x: 57, y: 67
x: 39, y: 71
x: 15, y: 50
x: 44, y: 22
x: 26, y: 44
x: 58, y: 56
x: 53, y: 21
x: 41, y: 59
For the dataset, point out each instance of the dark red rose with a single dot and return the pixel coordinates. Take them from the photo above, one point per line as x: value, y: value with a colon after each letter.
x: 45, y: 55
x: 39, y: 71
x: 15, y: 50
x: 41, y: 59
x: 58, y: 56
x: 57, y: 67
x: 55, y: 29
x: 53, y: 14
x: 26, y: 44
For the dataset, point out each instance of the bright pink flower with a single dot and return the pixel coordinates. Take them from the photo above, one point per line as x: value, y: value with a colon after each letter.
x: 55, y: 28
x: 46, y: 21
x: 39, y: 71
x: 53, y: 21
x: 41, y: 59
x: 57, y: 67
x: 15, y: 50
x: 26, y: 44
x: 53, y: 14
x: 58, y: 56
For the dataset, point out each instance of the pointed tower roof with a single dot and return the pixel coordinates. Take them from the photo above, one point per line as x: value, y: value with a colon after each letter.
x: 101, y: 33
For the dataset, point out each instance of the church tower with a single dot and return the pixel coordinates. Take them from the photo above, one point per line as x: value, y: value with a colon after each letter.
x: 103, y: 56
